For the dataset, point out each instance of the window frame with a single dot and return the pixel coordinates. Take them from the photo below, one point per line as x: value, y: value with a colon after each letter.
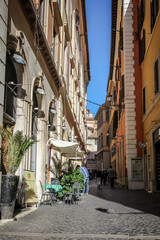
x: 153, y: 12
x: 156, y: 82
x: 144, y: 99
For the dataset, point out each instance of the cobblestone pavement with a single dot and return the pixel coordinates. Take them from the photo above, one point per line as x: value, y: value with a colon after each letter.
x: 103, y: 214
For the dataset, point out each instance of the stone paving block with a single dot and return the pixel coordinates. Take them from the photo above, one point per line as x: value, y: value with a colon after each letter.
x: 104, y: 214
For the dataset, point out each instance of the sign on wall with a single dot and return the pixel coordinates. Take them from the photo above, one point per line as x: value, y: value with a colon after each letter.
x: 137, y: 169
x: 30, y: 187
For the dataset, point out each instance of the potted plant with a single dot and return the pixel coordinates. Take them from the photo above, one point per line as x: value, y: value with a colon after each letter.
x: 58, y: 168
x: 14, y: 147
x: 68, y: 180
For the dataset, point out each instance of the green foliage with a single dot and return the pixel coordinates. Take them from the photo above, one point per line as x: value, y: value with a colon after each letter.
x: 69, y: 179
x: 14, y: 148
x: 59, y: 167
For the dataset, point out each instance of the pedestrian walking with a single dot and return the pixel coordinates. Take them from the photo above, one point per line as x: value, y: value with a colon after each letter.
x: 85, y: 173
x: 111, y: 176
x: 99, y: 177
x: 105, y: 175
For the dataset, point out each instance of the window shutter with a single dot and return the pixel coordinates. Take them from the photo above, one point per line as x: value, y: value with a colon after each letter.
x: 119, y: 54
x: 139, y: 17
x: 151, y: 8
x: 107, y: 116
x: 142, y: 12
x: 144, y: 100
x: 154, y: 7
x: 121, y: 38
x: 115, y: 123
x: 122, y: 87
x: 156, y: 77
x: 142, y: 44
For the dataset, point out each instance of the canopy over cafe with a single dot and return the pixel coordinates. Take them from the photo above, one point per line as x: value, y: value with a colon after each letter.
x: 67, y: 151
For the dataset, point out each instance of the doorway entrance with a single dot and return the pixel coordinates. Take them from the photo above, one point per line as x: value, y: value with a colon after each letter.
x: 157, y: 165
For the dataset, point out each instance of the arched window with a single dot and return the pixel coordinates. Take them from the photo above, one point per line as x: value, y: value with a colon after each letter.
x: 10, y: 92
x: 52, y: 119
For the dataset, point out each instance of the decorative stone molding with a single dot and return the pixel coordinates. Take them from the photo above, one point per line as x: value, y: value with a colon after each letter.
x: 131, y: 150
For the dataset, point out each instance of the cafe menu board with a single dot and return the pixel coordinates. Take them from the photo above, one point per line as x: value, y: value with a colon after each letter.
x: 30, y: 187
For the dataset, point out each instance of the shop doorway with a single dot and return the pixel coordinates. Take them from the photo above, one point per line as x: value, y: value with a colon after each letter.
x: 145, y: 169
x: 157, y: 166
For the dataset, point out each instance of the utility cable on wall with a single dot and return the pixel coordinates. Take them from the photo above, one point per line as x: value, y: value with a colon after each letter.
x: 90, y: 101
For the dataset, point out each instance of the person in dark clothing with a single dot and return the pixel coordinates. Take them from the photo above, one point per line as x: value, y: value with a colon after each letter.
x: 105, y: 176
x: 111, y: 175
x: 99, y: 177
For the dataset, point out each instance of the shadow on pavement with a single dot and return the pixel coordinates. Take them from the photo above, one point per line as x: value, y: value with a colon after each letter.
x: 136, y: 199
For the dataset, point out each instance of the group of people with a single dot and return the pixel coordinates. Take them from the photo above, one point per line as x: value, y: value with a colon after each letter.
x: 102, y: 177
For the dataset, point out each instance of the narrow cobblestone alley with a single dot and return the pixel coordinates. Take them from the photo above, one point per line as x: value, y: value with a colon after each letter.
x: 103, y: 214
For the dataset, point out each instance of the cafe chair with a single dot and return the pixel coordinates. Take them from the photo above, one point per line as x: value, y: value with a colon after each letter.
x: 47, y: 196
x: 73, y: 196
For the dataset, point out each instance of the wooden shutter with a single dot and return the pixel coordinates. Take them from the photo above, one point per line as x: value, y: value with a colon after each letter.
x: 144, y: 100
x: 152, y: 20
x: 142, y: 12
x: 115, y: 123
x: 156, y: 77
x: 142, y: 45
x: 139, y: 17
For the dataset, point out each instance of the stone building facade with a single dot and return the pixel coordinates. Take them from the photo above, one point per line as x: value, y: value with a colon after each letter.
x: 44, y: 75
x: 134, y: 87
x: 103, y: 151
x: 91, y: 141
x: 124, y: 85
x: 150, y: 67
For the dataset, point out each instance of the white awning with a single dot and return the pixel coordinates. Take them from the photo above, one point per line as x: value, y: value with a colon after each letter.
x: 65, y: 147
x: 77, y: 154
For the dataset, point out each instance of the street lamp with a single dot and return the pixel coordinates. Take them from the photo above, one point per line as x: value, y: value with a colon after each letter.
x: 109, y: 98
x: 18, y: 59
x: 40, y: 91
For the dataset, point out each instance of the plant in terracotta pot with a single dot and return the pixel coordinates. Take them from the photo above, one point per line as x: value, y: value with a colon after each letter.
x: 14, y: 147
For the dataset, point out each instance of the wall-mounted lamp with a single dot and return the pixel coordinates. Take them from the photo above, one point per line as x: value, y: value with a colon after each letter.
x: 116, y: 66
x: 52, y: 110
x: 18, y: 84
x: 83, y: 34
x: 115, y: 30
x: 38, y: 112
x: 36, y: 109
x: 142, y: 145
x: 117, y: 136
x: 40, y: 91
x: 18, y: 59
x: 51, y: 127
x: 109, y: 98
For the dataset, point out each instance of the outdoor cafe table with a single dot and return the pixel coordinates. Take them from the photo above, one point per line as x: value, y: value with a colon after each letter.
x: 57, y: 188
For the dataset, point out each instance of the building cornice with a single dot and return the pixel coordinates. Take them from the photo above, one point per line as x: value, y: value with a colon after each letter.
x: 31, y: 16
x: 113, y: 36
x: 87, y: 67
